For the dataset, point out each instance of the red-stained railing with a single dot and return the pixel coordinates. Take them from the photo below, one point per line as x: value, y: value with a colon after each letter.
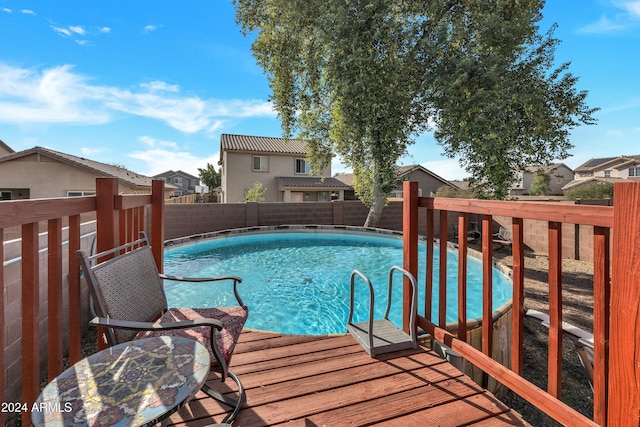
x: 119, y: 219
x: 616, y: 319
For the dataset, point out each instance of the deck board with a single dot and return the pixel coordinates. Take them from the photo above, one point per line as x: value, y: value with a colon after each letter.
x: 331, y: 381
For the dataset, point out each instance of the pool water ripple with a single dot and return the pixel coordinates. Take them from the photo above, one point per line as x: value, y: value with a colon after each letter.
x: 298, y: 283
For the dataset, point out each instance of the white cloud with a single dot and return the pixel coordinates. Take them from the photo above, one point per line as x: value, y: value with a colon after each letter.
x: 77, y: 29
x: 632, y: 7
x: 152, y: 142
x: 627, y: 16
x: 28, y: 12
x: 448, y: 169
x: 604, y: 25
x: 59, y: 95
x: 60, y: 30
x: 51, y: 96
x: 158, y: 161
x: 7, y: 10
x: 150, y: 28
x: 105, y: 30
x: 90, y: 151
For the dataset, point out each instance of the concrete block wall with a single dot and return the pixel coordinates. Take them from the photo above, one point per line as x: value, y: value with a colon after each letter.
x: 13, y: 306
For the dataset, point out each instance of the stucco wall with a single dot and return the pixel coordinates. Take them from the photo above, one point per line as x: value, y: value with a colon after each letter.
x: 47, y: 178
x: 238, y: 175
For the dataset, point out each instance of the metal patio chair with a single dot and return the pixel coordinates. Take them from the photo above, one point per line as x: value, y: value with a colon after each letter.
x: 130, y: 303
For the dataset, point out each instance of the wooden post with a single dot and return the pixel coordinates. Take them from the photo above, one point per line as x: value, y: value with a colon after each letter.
x: 554, y: 386
x: 624, y: 358
x: 601, y: 298
x: 30, y: 317
x: 410, y: 245
x: 463, y: 227
x: 157, y: 222
x: 75, y: 329
x: 54, y: 297
x: 442, y: 278
x: 517, y: 319
x: 487, y: 284
x: 107, y: 220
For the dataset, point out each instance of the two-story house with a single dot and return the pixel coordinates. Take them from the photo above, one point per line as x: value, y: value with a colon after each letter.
x: 280, y: 166
x: 605, y: 169
x: 185, y: 183
x: 559, y: 173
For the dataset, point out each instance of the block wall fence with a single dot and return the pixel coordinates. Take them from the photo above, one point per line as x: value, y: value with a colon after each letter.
x: 191, y: 219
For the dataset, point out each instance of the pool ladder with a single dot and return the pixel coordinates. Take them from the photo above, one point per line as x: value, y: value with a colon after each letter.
x: 381, y: 335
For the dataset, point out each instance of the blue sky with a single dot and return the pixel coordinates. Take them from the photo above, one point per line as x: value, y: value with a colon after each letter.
x: 152, y: 84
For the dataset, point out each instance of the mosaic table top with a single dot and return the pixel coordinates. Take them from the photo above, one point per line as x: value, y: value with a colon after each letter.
x: 131, y: 384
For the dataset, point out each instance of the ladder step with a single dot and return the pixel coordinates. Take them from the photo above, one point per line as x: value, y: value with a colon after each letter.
x: 387, y: 337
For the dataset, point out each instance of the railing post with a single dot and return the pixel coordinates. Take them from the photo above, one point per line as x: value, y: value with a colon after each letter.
x: 624, y: 358
x: 410, y: 245
x: 157, y: 222
x: 107, y: 220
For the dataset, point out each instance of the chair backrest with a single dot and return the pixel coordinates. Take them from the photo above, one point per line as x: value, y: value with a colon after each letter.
x: 125, y: 287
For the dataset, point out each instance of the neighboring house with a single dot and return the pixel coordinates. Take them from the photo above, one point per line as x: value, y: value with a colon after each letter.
x: 279, y: 165
x: 559, y: 174
x: 43, y: 173
x: 5, y: 149
x: 185, y: 183
x: 606, y: 169
x: 428, y: 182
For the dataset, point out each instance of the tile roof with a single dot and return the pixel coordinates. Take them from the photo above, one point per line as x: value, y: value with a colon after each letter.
x: 547, y: 168
x: 594, y: 163
x: 99, y: 168
x: 348, y: 178
x: 310, y: 181
x: 263, y: 144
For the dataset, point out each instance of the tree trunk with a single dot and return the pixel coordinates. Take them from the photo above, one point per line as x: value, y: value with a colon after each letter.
x: 375, y: 211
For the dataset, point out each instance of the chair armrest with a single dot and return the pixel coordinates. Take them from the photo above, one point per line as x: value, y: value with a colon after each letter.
x: 201, y: 279
x: 235, y: 279
x: 151, y: 326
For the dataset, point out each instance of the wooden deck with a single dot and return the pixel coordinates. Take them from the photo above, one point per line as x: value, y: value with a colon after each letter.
x: 331, y: 381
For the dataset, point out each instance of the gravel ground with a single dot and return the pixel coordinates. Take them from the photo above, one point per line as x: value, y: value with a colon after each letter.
x: 577, y: 300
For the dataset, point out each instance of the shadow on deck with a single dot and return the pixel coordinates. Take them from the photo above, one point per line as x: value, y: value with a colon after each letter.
x: 331, y: 381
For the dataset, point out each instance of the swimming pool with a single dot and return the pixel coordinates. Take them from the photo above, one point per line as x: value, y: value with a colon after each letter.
x: 297, y: 281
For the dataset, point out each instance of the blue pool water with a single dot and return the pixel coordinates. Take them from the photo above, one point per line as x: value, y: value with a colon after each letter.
x: 298, y: 282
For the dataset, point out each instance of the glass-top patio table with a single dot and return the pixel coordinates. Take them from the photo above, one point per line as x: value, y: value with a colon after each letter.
x: 131, y: 384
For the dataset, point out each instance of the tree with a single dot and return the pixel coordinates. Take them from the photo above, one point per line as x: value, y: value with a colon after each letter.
x: 362, y: 79
x: 595, y: 190
x: 540, y: 184
x: 255, y: 193
x: 210, y: 177
x: 500, y: 103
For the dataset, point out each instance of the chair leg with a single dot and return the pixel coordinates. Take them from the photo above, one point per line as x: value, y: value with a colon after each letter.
x: 236, y: 404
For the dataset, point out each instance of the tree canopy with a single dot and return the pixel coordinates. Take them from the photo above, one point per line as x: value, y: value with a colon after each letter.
x: 363, y: 79
x: 540, y: 184
x: 210, y: 177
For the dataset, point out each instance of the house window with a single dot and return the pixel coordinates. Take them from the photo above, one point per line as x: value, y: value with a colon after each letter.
x: 177, y: 181
x: 607, y: 174
x: 80, y: 193
x: 585, y: 174
x: 302, y: 166
x: 634, y: 171
x: 324, y: 196
x: 260, y: 163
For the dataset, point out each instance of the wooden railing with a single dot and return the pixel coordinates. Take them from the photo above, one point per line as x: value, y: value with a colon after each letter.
x: 119, y: 219
x: 616, y: 320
